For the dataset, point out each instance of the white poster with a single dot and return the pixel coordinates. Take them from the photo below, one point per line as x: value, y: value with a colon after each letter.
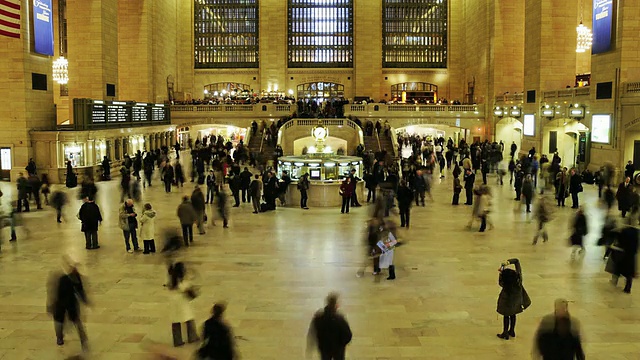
x: 529, y: 125
x: 600, y: 128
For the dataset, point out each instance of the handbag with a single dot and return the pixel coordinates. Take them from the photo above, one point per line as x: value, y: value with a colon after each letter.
x: 526, y: 300
x: 580, y: 188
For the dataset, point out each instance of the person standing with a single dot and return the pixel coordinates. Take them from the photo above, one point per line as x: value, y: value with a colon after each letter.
x: 197, y: 201
x: 167, y: 177
x: 148, y: 169
x: 528, y: 191
x: 217, y: 337
x: 148, y: 229
x: 270, y: 189
x: 245, y: 183
x: 129, y: 225
x: 90, y: 217
x: 558, y: 336
x: 370, y: 184
x: 513, y: 149
x: 405, y: 199
x: 188, y: 216
x: 23, y: 193
x: 346, y: 192
x: 329, y: 331
x: 624, y: 196
x: 255, y: 191
x: 513, y: 299
x: 211, y: 185
x: 182, y: 293
x: 354, y: 185
x: 34, y: 188
x: 624, y: 258
x: 457, y: 189
x: 580, y: 229
x: 235, y: 183
x: 179, y: 174
x: 65, y: 292
x: 562, y: 185
x: 469, y: 179
x: 629, y: 169
x: 303, y: 186
x: 517, y: 183
x: 575, y: 187
x: 420, y: 187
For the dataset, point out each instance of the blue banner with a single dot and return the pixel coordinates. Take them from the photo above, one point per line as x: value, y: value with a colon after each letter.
x: 43, y: 27
x: 602, y: 25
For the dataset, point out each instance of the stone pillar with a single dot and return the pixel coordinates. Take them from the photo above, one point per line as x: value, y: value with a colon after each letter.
x: 273, y: 45
x: 135, y: 46
x: 92, y: 27
x: 367, y: 64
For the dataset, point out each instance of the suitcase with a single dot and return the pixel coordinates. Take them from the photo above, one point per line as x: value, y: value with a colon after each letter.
x: 264, y: 207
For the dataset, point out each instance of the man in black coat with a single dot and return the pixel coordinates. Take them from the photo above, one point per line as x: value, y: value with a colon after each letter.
x: 245, y: 182
x: 217, y: 337
x: 624, y: 196
x: 329, y: 331
x: 197, y: 201
x: 469, y: 179
x: 90, y: 216
x: 625, y: 260
x: 558, y: 336
x: 270, y: 190
x: 629, y: 169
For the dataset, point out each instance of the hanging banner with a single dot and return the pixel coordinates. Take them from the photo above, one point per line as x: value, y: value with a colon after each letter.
x: 43, y: 27
x: 602, y: 25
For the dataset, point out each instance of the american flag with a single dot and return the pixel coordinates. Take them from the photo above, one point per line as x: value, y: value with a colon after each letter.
x: 10, y: 18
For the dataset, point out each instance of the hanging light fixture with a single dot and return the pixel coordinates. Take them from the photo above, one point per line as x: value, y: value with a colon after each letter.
x: 61, y: 71
x: 585, y: 37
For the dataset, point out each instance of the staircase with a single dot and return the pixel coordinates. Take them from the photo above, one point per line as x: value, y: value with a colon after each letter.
x: 387, y: 144
x: 371, y: 143
x: 265, y: 153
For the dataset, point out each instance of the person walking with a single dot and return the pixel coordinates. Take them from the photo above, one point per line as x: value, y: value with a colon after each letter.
x: 58, y: 201
x: 622, y: 261
x: 542, y: 215
x: 329, y: 331
x: 575, y: 187
x: 34, y: 189
x: 558, y: 336
x: 579, y: 230
x: 405, y: 199
x: 188, y: 216
x: 182, y: 293
x: 197, y: 201
x: 65, y: 292
x: 90, y: 217
x: 129, y: 224
x: 482, y: 207
x: 303, y: 186
x: 528, y: 189
x: 513, y: 298
x: 624, y: 196
x: 217, y: 337
x: 346, y: 192
x: 469, y: 179
x: 420, y: 187
x: 222, y: 208
x: 167, y: 177
x: 148, y: 229
x: 255, y: 193
x: 23, y: 193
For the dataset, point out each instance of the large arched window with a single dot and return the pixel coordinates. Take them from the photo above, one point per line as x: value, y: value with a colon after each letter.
x: 320, y: 33
x: 320, y: 91
x: 414, y: 34
x: 226, y: 33
x: 418, y: 91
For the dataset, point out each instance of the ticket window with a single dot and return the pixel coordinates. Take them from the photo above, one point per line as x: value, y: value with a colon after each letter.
x: 75, y: 154
x: 5, y: 163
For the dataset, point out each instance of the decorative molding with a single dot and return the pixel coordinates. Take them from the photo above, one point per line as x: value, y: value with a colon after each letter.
x: 319, y: 72
x: 226, y: 72
x: 414, y: 72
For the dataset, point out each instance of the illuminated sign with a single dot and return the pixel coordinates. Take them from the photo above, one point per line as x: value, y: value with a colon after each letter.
x: 529, y: 125
x: 602, y: 25
x: 601, y: 128
x: 43, y: 27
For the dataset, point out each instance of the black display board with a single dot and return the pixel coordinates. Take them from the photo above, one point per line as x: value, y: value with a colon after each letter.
x: 90, y: 113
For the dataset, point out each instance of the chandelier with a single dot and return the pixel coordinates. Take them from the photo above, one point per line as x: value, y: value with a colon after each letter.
x: 61, y: 71
x: 585, y: 37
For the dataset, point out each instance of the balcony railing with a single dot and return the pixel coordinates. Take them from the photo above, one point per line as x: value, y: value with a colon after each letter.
x: 410, y: 110
x: 509, y: 98
x: 284, y: 108
x: 632, y: 88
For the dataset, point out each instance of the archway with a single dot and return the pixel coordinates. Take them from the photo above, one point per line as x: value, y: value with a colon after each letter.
x: 509, y: 131
x: 563, y: 135
x: 430, y: 132
x: 320, y: 91
x: 414, y: 91
x: 223, y: 88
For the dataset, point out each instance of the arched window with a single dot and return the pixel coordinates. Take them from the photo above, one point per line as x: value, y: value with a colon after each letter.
x: 226, y: 34
x: 418, y: 91
x: 320, y: 91
x: 223, y: 88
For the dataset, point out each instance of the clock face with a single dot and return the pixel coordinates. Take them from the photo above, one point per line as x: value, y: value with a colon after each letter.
x: 319, y: 133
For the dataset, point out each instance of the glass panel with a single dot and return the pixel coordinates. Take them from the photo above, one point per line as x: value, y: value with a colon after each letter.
x: 320, y: 33
x: 226, y: 34
x: 414, y: 33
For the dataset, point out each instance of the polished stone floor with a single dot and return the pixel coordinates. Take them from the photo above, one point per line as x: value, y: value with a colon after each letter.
x: 275, y: 269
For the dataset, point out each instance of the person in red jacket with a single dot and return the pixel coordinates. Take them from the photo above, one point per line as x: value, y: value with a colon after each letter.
x: 346, y: 190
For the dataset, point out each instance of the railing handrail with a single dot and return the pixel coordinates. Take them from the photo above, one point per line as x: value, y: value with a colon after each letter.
x: 414, y: 107
x: 394, y: 141
x: 262, y: 138
x: 377, y: 139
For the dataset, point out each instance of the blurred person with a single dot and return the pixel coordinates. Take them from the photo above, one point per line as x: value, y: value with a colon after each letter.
x: 65, y: 292
x: 420, y: 187
x: 46, y: 190
x: 90, y: 217
x: 222, y: 208
x: 197, y: 201
x: 513, y: 298
x: 558, y: 336
x: 543, y: 216
x: 58, y: 201
x: 148, y: 229
x: 188, y: 216
x: 579, y: 230
x: 217, y: 337
x: 129, y: 224
x: 182, y: 293
x: 622, y: 261
x: 329, y: 331
x: 179, y: 174
x: 23, y: 193
x: 34, y: 188
x: 168, y: 176
x: 608, y: 235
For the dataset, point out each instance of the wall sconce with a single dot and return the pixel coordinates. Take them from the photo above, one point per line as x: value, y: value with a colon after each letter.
x: 576, y: 111
x: 497, y: 111
x: 548, y: 111
x: 515, y: 112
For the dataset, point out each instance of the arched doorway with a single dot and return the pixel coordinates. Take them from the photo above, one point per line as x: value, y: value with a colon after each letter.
x: 563, y: 136
x: 430, y: 132
x: 320, y: 91
x: 421, y: 92
x: 509, y: 131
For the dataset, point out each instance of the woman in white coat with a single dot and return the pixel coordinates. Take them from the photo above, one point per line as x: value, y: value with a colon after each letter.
x: 182, y: 292
x: 148, y: 229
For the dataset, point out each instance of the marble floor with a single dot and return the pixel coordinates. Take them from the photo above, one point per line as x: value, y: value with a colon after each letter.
x: 275, y: 269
